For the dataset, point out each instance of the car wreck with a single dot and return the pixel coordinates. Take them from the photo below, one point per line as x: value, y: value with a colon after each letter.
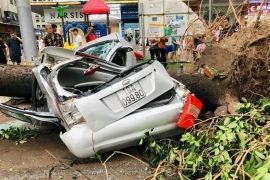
x: 103, y: 99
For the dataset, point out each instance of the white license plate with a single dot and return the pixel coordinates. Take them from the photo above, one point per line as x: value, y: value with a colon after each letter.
x: 131, y: 94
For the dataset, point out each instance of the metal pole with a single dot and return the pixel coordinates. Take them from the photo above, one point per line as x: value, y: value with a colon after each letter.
x: 27, y: 30
x: 63, y: 24
x: 142, y: 29
x: 68, y: 38
x: 84, y: 19
x: 88, y: 23
x: 108, y: 24
x: 210, y: 12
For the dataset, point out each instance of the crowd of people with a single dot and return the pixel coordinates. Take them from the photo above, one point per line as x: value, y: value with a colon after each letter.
x: 160, y: 48
x: 188, y: 48
x: 12, y: 48
x: 163, y: 49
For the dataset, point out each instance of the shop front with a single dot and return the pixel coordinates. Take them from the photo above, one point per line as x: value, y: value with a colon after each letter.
x: 75, y: 15
x: 130, y: 22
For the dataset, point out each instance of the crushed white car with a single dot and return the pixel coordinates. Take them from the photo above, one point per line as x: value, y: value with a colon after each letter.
x: 104, y: 100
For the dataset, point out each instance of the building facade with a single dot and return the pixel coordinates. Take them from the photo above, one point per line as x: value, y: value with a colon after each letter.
x: 9, y: 19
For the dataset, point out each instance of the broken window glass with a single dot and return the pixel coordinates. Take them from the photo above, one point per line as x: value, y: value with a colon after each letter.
x: 101, y: 50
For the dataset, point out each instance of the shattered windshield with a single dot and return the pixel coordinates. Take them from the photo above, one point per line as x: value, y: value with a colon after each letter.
x: 101, y: 50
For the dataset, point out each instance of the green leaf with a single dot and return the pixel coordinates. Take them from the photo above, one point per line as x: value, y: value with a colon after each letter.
x: 259, y: 160
x: 221, y: 158
x: 197, y: 143
x: 172, y: 155
x: 22, y: 141
x: 242, y: 136
x: 141, y: 142
x: 244, y: 100
x: 260, y: 155
x: 6, y: 136
x: 266, y: 176
x: 216, y: 151
x: 208, y: 176
x: 60, y: 177
x: 230, y: 136
x: 221, y: 147
x: 223, y: 128
x: 227, y: 121
x: 223, y: 137
x: 232, y: 125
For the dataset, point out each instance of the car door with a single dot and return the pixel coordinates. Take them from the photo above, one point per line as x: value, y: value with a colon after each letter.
x: 122, y: 95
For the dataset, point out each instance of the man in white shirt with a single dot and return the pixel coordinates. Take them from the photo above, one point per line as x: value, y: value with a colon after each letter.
x: 78, y: 40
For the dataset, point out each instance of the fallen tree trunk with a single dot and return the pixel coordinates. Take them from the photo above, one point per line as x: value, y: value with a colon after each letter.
x: 15, y: 81
x: 212, y: 93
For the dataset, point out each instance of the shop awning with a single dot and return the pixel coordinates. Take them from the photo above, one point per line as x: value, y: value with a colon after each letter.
x: 95, y: 7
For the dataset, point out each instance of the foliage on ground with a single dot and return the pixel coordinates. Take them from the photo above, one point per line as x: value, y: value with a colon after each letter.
x: 18, y: 134
x: 224, y: 147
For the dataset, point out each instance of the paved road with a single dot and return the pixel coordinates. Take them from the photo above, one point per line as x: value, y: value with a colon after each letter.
x: 46, y: 154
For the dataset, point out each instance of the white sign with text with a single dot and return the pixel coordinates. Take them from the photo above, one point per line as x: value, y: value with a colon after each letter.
x: 74, y: 14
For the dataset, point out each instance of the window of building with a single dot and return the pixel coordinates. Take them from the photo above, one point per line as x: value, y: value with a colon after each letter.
x: 15, y: 2
x: 43, y: 25
x: 37, y: 21
x: 38, y: 25
x: 11, y: 1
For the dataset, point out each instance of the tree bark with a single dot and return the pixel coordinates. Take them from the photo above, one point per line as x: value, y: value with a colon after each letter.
x: 212, y: 93
x: 15, y: 81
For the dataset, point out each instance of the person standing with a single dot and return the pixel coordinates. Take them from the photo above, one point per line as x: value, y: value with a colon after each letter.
x: 13, y: 44
x: 162, y: 49
x: 226, y: 29
x: 40, y: 43
x: 158, y: 49
x: 54, y: 27
x: 3, y: 53
x: 199, y: 50
x: 52, y: 38
x: 78, y: 40
x: 90, y: 36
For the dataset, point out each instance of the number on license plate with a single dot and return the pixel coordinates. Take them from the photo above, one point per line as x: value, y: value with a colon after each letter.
x: 131, y: 94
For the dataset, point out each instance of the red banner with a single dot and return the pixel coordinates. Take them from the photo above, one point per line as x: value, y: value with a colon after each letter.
x: 254, y: 7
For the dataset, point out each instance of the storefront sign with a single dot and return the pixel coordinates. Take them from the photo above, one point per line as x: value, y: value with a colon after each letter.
x: 9, y: 28
x: 255, y: 5
x: 129, y: 13
x: 74, y: 14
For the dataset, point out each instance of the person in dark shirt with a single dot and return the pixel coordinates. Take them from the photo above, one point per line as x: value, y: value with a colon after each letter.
x: 158, y: 49
x: 226, y: 30
x: 3, y: 53
x: 52, y: 38
x: 13, y: 44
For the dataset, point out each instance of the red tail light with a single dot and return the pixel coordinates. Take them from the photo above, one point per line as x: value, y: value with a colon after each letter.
x: 190, y: 112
